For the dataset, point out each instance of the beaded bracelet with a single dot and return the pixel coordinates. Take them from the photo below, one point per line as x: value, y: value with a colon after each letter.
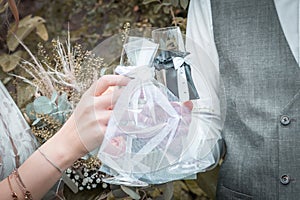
x: 13, y: 194
x: 27, y: 194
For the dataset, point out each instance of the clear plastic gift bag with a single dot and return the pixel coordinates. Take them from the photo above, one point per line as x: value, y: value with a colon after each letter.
x: 142, y: 129
x: 141, y: 136
x: 152, y: 137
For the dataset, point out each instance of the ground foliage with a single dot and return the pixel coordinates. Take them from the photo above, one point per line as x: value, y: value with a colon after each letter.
x: 90, y: 22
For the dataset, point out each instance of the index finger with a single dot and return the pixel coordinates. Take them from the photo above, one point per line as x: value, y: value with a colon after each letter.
x: 103, y: 83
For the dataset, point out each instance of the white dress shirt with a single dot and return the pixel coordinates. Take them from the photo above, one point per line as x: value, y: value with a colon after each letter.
x: 204, y: 57
x: 200, y: 28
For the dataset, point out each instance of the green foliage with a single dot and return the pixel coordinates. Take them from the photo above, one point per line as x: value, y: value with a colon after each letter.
x: 58, y: 108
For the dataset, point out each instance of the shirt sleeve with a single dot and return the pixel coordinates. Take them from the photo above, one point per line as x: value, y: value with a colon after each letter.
x: 205, y: 71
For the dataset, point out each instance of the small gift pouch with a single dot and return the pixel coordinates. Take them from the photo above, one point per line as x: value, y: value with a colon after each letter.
x: 172, y: 68
x: 145, y: 133
x: 152, y: 137
x: 175, y: 73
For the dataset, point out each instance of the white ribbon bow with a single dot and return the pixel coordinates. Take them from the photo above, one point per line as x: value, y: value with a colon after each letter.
x: 183, y: 89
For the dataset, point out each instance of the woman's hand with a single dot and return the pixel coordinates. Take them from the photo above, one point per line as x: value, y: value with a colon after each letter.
x: 85, y: 129
x: 92, y: 113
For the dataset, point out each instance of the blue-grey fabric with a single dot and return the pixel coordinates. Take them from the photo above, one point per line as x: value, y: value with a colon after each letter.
x: 262, y: 82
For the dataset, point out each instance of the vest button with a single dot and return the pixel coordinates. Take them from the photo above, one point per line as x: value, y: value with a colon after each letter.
x: 285, y: 120
x: 285, y: 179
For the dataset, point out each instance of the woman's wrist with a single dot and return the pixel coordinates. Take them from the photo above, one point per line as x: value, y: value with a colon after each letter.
x: 65, y: 146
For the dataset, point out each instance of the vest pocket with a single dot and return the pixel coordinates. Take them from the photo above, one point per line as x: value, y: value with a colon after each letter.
x: 229, y: 194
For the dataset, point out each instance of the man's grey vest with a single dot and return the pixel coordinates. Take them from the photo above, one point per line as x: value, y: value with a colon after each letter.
x: 262, y: 85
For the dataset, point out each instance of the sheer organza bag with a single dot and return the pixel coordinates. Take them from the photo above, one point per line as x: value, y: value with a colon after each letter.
x: 152, y: 137
x: 140, y: 136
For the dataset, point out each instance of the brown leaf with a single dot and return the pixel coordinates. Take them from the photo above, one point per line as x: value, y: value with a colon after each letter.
x: 174, y: 3
x: 179, y: 187
x: 149, y: 1
x: 130, y: 192
x: 25, y: 93
x: 26, y: 26
x: 208, y: 181
x: 168, y: 191
x: 41, y: 31
x: 194, y: 187
x: 9, y: 62
x: 3, y: 7
x: 184, y: 3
